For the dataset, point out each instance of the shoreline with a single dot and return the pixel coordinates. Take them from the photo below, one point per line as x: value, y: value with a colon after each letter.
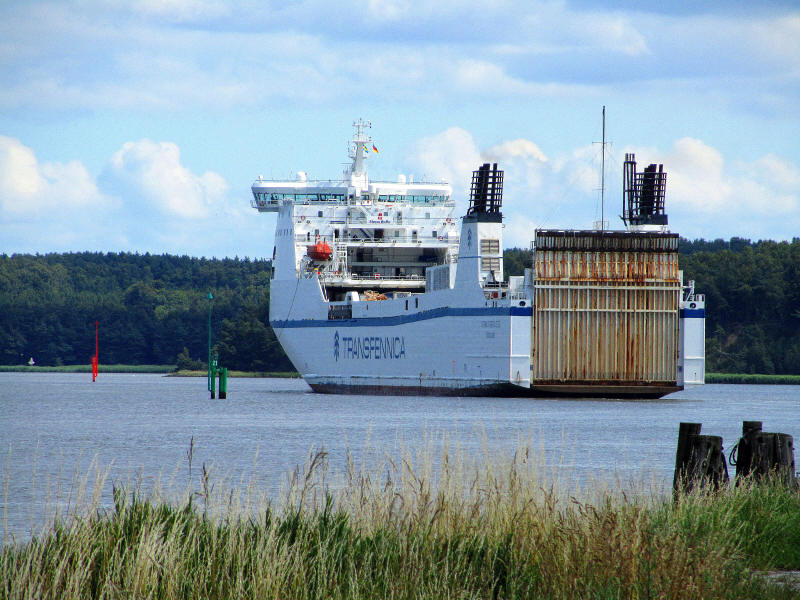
x: 170, y: 371
x: 752, y: 379
x: 166, y: 370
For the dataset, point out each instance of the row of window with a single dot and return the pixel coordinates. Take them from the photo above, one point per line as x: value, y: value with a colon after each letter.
x: 412, y: 198
x: 268, y: 197
x: 274, y: 198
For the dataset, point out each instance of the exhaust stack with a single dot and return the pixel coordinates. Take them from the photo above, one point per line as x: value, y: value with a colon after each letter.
x: 643, y: 195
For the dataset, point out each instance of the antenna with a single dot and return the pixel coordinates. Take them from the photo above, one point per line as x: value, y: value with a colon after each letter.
x: 358, y: 151
x: 603, y: 177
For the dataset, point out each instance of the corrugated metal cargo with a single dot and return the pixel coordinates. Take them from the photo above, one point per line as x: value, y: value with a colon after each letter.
x: 605, y: 308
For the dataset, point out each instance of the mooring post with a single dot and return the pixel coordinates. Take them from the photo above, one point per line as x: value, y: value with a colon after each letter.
x: 699, y: 460
x: 707, y: 464
x: 761, y: 455
x: 743, y: 451
x: 213, y: 381
x: 784, y: 459
x: 223, y: 383
x: 682, y: 454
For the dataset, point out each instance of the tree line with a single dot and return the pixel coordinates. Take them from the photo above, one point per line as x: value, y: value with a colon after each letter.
x: 151, y: 309
x: 154, y: 309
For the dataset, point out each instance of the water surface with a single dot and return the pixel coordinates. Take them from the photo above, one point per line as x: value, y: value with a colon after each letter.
x: 138, y: 427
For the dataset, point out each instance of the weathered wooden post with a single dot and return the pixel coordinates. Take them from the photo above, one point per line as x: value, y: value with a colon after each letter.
x: 707, y: 464
x: 761, y: 455
x: 699, y: 460
x: 784, y: 459
x: 682, y: 454
x: 742, y: 453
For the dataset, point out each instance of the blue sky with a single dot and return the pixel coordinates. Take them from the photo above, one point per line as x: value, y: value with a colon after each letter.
x: 140, y: 125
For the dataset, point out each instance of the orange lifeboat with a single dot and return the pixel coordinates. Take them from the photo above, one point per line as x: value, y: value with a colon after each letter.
x: 320, y: 251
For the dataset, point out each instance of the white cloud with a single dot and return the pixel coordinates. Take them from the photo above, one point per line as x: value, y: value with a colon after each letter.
x: 146, y: 200
x: 537, y: 191
x: 449, y: 156
x: 31, y: 189
x: 557, y: 29
x: 519, y: 148
x: 700, y: 183
x: 178, y: 53
x: 388, y: 10
x: 154, y: 170
x: 706, y: 196
x: 696, y: 177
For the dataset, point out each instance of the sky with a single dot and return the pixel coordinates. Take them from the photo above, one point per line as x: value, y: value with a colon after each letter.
x: 139, y: 125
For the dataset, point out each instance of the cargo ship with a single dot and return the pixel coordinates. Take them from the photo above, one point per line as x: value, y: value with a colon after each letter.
x: 381, y: 288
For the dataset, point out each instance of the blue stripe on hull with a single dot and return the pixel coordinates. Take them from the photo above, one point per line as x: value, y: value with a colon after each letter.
x: 693, y: 313
x: 436, y: 313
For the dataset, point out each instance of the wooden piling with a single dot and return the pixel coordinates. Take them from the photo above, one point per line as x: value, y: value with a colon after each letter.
x: 707, y: 464
x: 742, y: 454
x: 682, y: 454
x: 761, y: 455
x: 699, y: 460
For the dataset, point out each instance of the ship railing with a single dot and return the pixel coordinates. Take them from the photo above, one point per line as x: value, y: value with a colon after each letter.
x: 264, y: 203
x: 339, y: 276
x: 371, y: 200
x: 380, y: 277
x: 440, y: 240
x: 387, y: 241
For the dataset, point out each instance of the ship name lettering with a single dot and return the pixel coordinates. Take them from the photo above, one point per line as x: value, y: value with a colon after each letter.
x: 374, y: 347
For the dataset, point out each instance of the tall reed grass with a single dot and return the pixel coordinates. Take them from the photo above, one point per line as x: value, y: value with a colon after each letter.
x: 416, y: 526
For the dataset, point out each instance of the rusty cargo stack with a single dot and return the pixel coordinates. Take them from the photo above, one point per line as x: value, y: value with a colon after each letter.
x: 605, y: 313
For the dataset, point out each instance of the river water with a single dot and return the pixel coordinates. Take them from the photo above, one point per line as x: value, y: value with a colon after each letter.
x: 56, y: 428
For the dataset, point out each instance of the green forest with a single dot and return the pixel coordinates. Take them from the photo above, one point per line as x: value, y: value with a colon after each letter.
x: 151, y: 309
x: 154, y: 309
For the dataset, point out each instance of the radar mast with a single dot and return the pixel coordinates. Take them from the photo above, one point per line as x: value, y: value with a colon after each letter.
x: 358, y: 150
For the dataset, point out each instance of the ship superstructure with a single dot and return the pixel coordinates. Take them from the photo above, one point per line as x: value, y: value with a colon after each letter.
x: 354, y: 235
x: 378, y: 287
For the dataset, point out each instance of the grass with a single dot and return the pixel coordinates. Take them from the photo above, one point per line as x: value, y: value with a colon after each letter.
x: 752, y: 378
x: 87, y: 369
x: 487, y: 528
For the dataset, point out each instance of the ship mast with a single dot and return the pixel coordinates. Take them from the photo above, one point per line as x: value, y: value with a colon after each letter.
x: 358, y: 152
x: 603, y: 175
x: 601, y: 225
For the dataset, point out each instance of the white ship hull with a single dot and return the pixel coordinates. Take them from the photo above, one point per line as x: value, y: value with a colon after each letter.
x: 444, y: 350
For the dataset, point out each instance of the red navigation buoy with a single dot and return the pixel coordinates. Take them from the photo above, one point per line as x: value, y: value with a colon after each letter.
x: 95, y: 359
